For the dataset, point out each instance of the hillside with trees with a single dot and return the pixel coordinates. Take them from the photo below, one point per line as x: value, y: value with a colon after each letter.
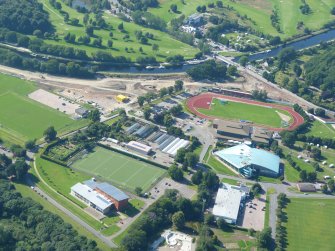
x: 25, y: 225
x: 320, y: 72
x: 309, y: 73
x: 25, y: 16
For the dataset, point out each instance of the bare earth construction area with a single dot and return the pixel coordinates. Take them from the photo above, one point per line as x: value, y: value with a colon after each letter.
x: 54, y: 101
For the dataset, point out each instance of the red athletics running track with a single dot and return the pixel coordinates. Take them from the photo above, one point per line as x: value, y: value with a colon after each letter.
x: 205, y: 100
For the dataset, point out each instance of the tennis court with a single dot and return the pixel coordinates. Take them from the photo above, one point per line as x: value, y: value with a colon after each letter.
x: 119, y: 169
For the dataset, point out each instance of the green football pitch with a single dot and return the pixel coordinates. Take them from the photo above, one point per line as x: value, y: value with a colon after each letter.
x: 22, y: 119
x: 239, y: 111
x: 124, y: 171
x: 309, y: 224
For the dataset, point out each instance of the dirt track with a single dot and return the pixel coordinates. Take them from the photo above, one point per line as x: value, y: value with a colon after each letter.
x: 204, y: 101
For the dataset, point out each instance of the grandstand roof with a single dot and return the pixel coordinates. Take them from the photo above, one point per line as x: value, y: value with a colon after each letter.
x: 232, y: 127
x: 243, y: 155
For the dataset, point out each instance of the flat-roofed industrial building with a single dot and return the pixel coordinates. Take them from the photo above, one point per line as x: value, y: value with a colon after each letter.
x: 139, y: 147
x: 228, y: 202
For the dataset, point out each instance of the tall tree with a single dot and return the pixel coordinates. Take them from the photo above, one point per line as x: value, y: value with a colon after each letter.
x: 50, y: 134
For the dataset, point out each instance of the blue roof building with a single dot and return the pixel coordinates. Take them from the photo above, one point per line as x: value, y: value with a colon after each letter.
x: 247, y: 160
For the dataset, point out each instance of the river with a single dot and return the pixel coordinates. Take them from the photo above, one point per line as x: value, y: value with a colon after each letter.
x: 298, y: 45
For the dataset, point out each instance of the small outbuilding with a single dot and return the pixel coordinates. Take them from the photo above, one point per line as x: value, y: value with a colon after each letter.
x: 121, y: 98
x: 82, y: 112
x: 306, y: 187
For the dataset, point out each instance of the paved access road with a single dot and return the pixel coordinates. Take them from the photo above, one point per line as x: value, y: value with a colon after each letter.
x: 87, y: 227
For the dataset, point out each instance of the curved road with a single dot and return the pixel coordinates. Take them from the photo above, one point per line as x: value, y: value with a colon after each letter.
x: 87, y: 227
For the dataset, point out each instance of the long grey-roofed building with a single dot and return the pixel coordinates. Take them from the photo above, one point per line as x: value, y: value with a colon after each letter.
x: 112, y: 193
x: 231, y: 130
x: 91, y: 198
x: 139, y: 147
x: 131, y: 129
x: 166, y: 142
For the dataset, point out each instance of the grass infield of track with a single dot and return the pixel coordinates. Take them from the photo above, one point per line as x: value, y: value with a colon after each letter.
x: 119, y: 169
x: 309, y: 225
x: 240, y: 111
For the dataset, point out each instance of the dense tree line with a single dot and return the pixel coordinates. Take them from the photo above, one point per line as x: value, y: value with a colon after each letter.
x: 261, y: 95
x: 17, y: 170
x: 24, y: 16
x: 39, y: 46
x: 320, y: 72
x: 108, y: 57
x: 281, y: 233
x: 25, y: 225
x: 305, y: 78
x: 139, y: 4
x: 51, y: 66
x: 209, y: 70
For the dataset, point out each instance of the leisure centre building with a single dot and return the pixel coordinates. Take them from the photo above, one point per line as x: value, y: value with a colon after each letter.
x: 248, y: 161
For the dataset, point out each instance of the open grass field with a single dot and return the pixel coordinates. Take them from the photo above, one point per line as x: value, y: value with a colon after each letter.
x: 260, y: 11
x: 22, y: 118
x: 167, y: 45
x: 292, y: 174
x: 237, y: 239
x: 240, y: 111
x: 309, y: 225
x: 219, y: 167
x: 119, y: 169
x: 66, y: 178
x: 321, y: 130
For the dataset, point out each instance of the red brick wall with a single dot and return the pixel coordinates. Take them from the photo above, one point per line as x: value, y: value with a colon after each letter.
x: 119, y: 205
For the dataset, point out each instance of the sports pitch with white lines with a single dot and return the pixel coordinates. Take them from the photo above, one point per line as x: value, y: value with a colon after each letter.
x: 119, y: 169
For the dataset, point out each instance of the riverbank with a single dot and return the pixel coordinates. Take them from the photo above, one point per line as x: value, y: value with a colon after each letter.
x: 300, y: 44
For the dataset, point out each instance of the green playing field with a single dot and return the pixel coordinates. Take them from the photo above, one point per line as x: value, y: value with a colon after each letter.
x: 22, y: 119
x: 240, y: 111
x: 309, y: 225
x: 119, y: 169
